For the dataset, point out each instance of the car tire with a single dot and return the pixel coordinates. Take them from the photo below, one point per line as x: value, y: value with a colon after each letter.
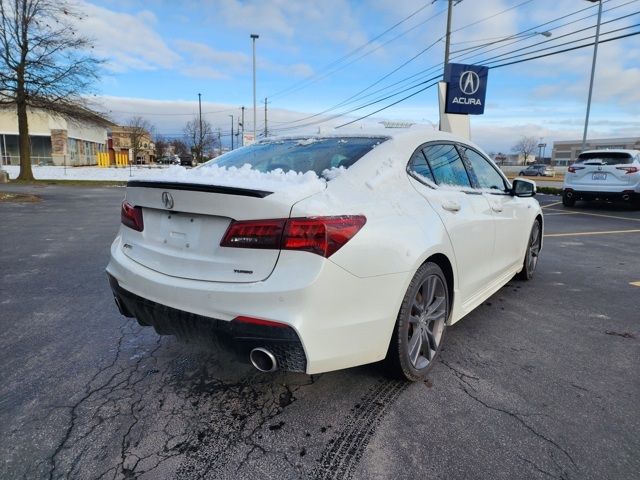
x: 533, y: 253
x: 521, y: 174
x: 568, y: 202
x: 421, y: 324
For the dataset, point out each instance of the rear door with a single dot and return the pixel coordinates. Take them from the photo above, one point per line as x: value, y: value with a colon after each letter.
x: 465, y: 213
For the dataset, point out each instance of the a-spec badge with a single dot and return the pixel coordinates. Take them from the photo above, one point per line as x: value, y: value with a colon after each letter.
x: 167, y: 200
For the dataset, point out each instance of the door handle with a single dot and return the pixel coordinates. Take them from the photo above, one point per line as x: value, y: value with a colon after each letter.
x: 496, y: 208
x: 451, y: 206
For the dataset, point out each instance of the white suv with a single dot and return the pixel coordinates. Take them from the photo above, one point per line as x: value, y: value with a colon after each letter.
x: 603, y: 174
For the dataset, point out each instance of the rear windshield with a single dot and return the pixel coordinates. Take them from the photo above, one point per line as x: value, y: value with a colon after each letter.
x: 605, y: 158
x: 300, y: 155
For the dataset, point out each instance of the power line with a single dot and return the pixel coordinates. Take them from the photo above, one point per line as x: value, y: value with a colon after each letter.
x: 348, y: 100
x: 524, y: 32
x: 351, y: 53
x: 498, y: 66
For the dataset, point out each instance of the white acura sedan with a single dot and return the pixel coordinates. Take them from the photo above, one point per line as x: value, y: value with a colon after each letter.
x: 316, y: 254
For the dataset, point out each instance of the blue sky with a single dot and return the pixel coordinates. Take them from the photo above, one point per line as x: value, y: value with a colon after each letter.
x: 161, y: 54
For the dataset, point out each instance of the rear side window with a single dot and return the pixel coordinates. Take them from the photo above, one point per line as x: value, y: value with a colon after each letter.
x: 605, y: 158
x: 419, y: 166
x: 446, y: 165
x: 486, y: 175
x: 300, y: 155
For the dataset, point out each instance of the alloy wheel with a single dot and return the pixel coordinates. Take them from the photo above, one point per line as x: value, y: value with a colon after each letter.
x: 426, y: 321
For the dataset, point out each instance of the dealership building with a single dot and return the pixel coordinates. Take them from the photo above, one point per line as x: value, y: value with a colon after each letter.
x: 565, y: 152
x: 71, y: 138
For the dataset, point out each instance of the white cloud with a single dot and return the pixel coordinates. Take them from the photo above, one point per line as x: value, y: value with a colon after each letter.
x: 127, y: 41
x: 329, y: 21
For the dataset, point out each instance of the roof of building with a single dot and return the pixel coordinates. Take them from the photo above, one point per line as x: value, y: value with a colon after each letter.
x: 69, y: 109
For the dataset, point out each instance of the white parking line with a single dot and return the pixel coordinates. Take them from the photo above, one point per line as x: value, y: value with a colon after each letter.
x: 599, y: 215
x: 551, y: 205
x: 574, y: 234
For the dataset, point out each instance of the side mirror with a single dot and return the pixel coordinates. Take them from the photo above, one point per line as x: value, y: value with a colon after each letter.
x: 523, y: 188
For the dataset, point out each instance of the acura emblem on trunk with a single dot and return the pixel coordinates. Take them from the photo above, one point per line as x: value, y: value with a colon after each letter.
x: 167, y: 200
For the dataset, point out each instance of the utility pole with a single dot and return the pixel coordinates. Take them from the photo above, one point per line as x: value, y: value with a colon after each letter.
x: 219, y: 141
x: 593, y: 71
x: 231, y: 131
x: 200, y: 134
x: 448, y: 37
x: 254, y: 37
x: 242, y: 125
x: 265, y: 118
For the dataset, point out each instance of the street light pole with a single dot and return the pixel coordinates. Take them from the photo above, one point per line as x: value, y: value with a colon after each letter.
x: 593, y: 71
x: 242, y: 125
x: 254, y: 37
x: 200, y: 134
x: 448, y: 37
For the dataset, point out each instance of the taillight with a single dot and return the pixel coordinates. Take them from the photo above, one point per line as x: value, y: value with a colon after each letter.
x: 628, y: 169
x: 131, y: 216
x: 574, y: 169
x: 320, y: 235
x: 254, y: 234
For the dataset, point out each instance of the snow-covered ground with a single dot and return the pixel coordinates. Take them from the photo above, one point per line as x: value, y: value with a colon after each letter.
x: 86, y: 173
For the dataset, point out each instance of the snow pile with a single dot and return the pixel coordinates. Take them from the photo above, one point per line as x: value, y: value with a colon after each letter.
x: 294, y: 183
x: 86, y: 173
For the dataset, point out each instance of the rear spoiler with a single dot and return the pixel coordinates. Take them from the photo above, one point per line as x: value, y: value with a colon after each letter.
x: 199, y: 187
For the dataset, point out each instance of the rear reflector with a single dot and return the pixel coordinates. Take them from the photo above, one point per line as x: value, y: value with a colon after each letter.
x: 131, y: 216
x: 259, y: 321
x: 628, y: 169
x: 320, y: 235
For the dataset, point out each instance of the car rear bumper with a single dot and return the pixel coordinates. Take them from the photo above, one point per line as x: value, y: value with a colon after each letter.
x: 627, y: 195
x: 340, y: 320
x: 240, y: 337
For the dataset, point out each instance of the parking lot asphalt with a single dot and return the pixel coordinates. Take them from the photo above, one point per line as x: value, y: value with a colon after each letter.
x: 540, y: 381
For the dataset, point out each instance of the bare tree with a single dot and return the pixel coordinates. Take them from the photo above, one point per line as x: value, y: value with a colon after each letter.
x: 199, y: 136
x: 525, y: 146
x: 139, y: 132
x: 161, y: 146
x: 43, y: 62
x: 179, y: 147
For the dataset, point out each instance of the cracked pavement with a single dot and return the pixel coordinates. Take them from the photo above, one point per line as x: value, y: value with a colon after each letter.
x: 541, y: 381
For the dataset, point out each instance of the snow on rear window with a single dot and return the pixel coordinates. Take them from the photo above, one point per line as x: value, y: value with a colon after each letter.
x: 277, y: 180
x: 299, y: 155
x: 295, y: 166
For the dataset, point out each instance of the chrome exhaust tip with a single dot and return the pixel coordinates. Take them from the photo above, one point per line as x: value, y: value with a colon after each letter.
x: 263, y: 360
x: 626, y: 197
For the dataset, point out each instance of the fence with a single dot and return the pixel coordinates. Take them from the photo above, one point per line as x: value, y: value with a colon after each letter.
x: 121, y: 159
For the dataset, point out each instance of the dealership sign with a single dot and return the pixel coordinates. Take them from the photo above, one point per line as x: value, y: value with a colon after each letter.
x: 466, y: 88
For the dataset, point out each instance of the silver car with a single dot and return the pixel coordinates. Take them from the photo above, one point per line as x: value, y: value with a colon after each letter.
x: 603, y: 175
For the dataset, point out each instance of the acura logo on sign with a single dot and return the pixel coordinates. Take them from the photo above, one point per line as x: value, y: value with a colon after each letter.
x: 167, y: 200
x: 469, y: 82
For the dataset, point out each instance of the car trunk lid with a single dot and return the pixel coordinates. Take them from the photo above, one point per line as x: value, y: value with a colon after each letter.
x: 184, y: 224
